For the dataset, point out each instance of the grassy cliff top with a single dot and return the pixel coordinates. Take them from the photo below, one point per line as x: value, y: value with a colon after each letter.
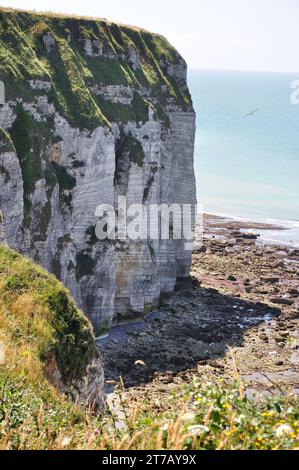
x: 53, y: 48
x: 53, y: 14
x: 39, y: 322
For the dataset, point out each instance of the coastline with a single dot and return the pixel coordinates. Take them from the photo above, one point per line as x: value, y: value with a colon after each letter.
x: 237, y: 314
x: 271, y: 231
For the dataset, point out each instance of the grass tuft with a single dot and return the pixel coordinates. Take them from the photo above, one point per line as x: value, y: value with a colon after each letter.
x: 39, y: 321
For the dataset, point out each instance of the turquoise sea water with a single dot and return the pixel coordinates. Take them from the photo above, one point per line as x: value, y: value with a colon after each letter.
x: 247, y: 167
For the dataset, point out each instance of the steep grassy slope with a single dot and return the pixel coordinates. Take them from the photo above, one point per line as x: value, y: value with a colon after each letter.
x: 40, y: 323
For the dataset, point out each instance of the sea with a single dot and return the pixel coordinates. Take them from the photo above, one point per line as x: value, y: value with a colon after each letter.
x: 247, y: 148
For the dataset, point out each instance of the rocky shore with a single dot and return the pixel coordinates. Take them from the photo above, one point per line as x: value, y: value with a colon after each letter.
x: 236, y: 315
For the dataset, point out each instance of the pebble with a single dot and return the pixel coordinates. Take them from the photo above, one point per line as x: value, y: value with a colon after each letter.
x: 281, y: 301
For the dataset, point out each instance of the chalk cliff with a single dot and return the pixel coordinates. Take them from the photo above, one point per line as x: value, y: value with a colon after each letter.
x: 93, y: 111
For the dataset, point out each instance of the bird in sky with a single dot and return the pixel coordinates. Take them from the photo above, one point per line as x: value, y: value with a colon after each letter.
x: 251, y: 113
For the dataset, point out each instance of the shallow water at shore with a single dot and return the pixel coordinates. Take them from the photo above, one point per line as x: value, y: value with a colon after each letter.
x: 271, y: 231
x: 289, y: 237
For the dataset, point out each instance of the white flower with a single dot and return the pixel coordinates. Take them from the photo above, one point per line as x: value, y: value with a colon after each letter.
x: 164, y: 427
x: 283, y: 430
x: 65, y: 442
x: 198, y: 430
x: 240, y: 419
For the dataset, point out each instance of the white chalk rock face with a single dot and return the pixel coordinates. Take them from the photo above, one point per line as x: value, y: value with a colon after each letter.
x: 58, y: 167
x: 11, y: 198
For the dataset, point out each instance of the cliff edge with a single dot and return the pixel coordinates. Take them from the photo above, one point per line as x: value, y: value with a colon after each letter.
x: 93, y: 111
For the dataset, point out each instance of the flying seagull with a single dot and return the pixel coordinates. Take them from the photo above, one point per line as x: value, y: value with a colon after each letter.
x: 251, y: 113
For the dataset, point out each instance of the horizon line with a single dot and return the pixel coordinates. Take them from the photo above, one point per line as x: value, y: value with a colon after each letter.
x: 205, y: 69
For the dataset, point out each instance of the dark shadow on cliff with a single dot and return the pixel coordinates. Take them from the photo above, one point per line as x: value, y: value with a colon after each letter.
x: 196, y: 325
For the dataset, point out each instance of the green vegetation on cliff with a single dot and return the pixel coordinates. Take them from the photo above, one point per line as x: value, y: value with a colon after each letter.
x: 6, y: 144
x: 30, y: 139
x: 52, y: 48
x: 67, y: 59
x: 39, y: 321
x: 130, y: 146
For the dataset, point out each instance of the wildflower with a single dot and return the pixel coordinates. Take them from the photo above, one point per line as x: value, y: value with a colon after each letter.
x: 65, y: 442
x: 239, y: 419
x: 164, y: 427
x: 198, y: 430
x: 283, y: 430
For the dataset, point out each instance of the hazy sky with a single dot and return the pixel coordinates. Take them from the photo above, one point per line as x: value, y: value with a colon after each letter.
x: 213, y: 34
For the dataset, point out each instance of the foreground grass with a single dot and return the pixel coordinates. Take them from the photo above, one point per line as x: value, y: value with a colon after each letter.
x: 213, y: 417
x: 38, y: 320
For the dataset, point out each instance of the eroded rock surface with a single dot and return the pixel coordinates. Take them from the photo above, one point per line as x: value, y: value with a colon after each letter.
x: 90, y: 119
